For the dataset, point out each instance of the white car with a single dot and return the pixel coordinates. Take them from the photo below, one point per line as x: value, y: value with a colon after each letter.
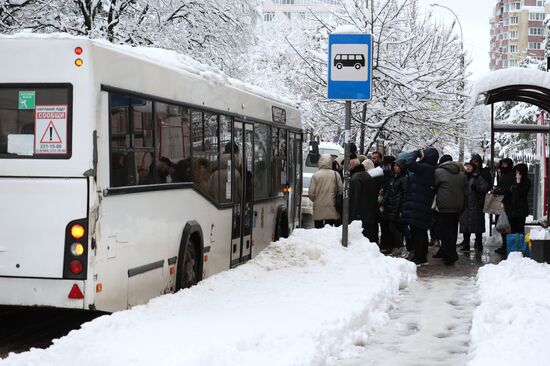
x: 310, y: 168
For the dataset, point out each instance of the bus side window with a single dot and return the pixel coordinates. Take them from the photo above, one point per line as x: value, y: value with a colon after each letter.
x: 174, y: 162
x: 261, y: 162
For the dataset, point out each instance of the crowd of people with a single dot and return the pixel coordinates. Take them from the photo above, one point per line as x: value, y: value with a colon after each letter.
x: 399, y: 200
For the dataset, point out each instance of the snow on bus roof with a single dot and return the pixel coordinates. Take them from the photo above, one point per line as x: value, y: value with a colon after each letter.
x: 167, y: 58
x: 510, y: 76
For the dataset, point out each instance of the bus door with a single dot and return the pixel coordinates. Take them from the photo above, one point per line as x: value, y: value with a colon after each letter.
x: 243, y: 193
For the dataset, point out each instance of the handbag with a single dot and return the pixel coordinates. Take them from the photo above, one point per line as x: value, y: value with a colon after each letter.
x: 339, y: 197
x: 517, y: 243
x: 503, y: 224
x: 493, y: 204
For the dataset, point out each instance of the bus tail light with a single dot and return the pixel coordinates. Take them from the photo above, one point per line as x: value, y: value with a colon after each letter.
x: 75, y: 262
x: 75, y: 293
x: 78, y: 51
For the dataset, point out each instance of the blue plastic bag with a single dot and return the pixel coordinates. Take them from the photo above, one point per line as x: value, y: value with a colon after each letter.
x: 517, y: 243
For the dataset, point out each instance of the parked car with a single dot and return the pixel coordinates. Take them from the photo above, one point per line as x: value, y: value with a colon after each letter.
x: 310, y: 167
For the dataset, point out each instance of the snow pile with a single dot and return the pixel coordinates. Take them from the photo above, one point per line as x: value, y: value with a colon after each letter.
x: 510, y: 327
x: 305, y: 300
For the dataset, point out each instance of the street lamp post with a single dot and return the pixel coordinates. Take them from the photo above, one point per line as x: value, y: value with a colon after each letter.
x: 461, y: 85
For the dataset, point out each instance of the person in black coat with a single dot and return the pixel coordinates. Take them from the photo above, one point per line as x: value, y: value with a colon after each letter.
x: 505, y: 180
x: 394, y: 199
x: 518, y: 209
x: 417, y: 212
x: 473, y: 218
x: 364, y: 189
x: 386, y: 237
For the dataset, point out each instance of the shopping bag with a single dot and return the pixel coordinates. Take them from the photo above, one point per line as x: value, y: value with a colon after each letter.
x: 493, y: 204
x: 503, y: 225
x: 517, y: 243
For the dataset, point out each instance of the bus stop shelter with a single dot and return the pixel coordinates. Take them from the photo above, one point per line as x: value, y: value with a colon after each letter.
x: 521, y: 85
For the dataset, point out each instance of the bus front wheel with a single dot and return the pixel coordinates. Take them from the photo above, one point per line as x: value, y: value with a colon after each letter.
x: 357, y: 66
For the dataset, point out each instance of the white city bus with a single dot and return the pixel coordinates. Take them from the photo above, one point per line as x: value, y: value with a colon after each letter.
x: 129, y: 173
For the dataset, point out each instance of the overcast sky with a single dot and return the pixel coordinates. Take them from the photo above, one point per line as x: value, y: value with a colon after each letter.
x: 474, y: 16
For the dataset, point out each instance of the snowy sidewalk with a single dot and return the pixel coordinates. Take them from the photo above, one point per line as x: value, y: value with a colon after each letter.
x: 303, y: 301
x: 429, y: 326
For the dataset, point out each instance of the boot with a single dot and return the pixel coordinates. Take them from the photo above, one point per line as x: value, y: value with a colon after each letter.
x: 465, y: 247
x: 478, y: 246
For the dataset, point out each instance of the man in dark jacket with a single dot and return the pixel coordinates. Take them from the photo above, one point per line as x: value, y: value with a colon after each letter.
x: 365, y: 187
x: 417, y: 211
x: 505, y: 180
x: 451, y: 187
x: 519, y: 205
x: 394, y: 199
x: 473, y: 217
x: 386, y: 237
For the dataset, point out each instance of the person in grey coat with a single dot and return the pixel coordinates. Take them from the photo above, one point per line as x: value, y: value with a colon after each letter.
x: 451, y: 189
x: 473, y: 218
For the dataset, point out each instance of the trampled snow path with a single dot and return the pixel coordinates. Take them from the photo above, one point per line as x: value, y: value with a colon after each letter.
x: 429, y: 325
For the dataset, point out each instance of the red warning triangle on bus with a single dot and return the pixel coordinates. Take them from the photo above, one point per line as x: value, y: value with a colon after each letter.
x: 50, y: 136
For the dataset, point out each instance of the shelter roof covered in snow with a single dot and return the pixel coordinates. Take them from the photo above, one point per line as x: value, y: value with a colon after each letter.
x: 523, y: 84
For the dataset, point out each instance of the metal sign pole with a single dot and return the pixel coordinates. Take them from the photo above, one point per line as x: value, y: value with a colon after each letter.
x: 345, y: 206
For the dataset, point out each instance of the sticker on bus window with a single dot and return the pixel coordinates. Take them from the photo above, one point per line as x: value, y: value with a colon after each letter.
x: 50, y: 129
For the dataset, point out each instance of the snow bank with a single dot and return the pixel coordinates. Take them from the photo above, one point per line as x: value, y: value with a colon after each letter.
x: 511, y: 327
x: 303, y: 301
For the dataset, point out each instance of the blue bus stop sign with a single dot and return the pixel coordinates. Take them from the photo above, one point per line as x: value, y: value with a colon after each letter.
x: 349, y: 67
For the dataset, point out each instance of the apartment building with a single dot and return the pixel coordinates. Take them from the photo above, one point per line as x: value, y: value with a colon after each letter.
x: 517, y: 31
x: 295, y: 10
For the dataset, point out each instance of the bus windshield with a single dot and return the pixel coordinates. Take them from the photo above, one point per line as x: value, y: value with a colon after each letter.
x: 35, y: 121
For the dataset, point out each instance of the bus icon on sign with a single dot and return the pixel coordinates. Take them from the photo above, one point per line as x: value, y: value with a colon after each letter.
x: 349, y: 60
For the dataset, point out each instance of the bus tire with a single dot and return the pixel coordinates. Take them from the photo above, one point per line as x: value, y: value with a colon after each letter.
x: 357, y: 66
x: 189, y: 270
x: 281, y: 225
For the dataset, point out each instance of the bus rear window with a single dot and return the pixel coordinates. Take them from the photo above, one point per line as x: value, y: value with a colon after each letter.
x: 35, y: 121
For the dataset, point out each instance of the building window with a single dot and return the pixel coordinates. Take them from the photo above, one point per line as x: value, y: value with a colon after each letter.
x: 513, y: 20
x: 534, y: 45
x: 536, y: 16
x: 513, y: 34
x: 536, y: 31
x: 513, y: 48
x: 515, y: 6
x: 269, y: 16
x: 513, y: 63
x: 540, y: 2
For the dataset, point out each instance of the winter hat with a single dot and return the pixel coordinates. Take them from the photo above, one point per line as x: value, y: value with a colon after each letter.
x: 445, y: 158
x: 388, y: 159
x: 368, y: 164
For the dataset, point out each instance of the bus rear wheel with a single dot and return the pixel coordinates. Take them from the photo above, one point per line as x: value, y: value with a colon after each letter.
x: 189, y: 270
x: 339, y: 66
